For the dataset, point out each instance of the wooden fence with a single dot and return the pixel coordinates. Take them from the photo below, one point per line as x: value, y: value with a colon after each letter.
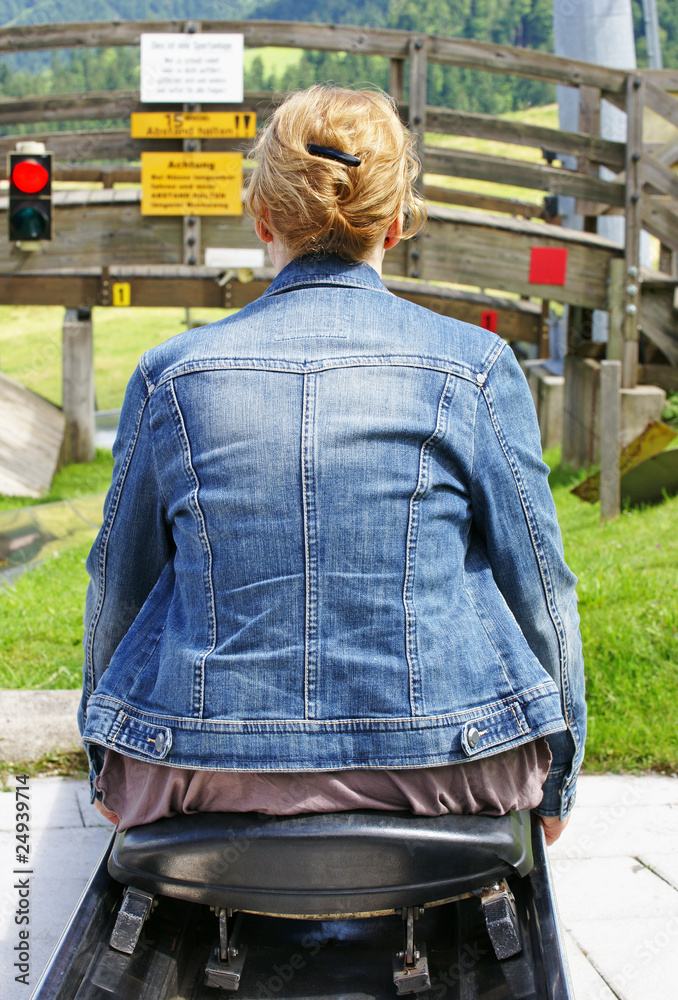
x: 101, y: 233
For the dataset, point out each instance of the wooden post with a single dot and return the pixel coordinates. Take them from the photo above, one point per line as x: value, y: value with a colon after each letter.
x: 396, y: 79
x: 610, y: 421
x: 192, y: 248
x: 667, y: 260
x: 78, y: 386
x: 635, y: 99
x: 589, y: 124
x: 544, y: 346
x: 415, y: 268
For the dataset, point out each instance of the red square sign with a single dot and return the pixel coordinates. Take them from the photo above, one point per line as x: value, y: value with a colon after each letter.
x: 489, y: 319
x: 548, y: 265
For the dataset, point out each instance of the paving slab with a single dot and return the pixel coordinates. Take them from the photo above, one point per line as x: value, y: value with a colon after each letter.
x: 600, y: 790
x: 663, y: 865
x: 63, y: 851
x: 589, y: 983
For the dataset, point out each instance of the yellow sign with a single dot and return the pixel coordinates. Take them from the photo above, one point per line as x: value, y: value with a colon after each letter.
x: 193, y: 125
x: 121, y: 293
x: 191, y: 183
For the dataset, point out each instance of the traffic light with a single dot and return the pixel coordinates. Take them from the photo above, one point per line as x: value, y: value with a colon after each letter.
x: 30, y: 196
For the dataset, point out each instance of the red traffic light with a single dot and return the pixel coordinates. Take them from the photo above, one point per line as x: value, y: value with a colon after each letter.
x: 30, y: 176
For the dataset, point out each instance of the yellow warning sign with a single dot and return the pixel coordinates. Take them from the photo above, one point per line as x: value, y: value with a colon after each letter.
x: 193, y: 125
x: 191, y: 183
x: 121, y: 293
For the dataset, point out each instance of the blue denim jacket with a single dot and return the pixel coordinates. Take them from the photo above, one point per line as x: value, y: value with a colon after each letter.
x: 330, y: 543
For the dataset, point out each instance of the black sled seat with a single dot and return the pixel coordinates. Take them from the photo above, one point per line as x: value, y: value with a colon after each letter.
x: 321, y: 864
x: 331, y: 865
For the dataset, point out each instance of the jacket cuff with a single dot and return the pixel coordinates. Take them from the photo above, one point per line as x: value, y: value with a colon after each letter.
x: 559, y: 794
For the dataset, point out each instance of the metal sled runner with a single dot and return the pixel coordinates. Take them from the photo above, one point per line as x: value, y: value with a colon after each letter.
x: 359, y: 905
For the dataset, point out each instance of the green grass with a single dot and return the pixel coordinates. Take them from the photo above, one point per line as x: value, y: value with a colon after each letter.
x: 629, y: 616
x: 69, y: 763
x: 41, y: 623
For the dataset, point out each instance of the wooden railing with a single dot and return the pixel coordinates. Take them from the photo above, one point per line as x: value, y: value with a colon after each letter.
x: 643, y: 187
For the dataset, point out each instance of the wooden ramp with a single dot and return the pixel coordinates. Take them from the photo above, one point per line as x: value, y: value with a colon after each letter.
x: 31, y: 433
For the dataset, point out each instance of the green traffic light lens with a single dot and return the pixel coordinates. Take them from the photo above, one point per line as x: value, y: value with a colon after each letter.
x: 28, y: 223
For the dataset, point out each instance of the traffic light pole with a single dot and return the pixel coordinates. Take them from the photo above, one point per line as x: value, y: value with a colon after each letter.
x: 78, y: 386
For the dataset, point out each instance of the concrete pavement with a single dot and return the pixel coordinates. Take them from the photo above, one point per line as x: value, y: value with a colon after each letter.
x: 615, y: 870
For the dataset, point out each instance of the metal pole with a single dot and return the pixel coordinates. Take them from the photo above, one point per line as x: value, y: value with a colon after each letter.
x: 654, y: 48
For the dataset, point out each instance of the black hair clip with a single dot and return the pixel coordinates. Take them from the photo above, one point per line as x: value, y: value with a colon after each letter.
x: 347, y: 159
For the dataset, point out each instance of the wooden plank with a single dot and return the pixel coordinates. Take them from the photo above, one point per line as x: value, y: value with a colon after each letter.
x: 494, y: 252
x: 659, y: 176
x: 196, y: 287
x: 396, y: 79
x: 660, y: 102
x: 667, y: 79
x: 665, y: 376
x: 660, y: 219
x: 658, y: 321
x: 112, y: 144
x: 610, y: 424
x: 520, y: 173
x: 331, y: 37
x: 31, y: 431
x: 454, y: 122
x: 113, y: 104
x: 524, y: 62
x: 289, y: 34
x: 589, y: 122
x: 484, y: 202
x: 666, y: 154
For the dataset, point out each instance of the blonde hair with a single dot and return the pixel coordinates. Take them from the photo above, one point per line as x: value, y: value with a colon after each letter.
x: 316, y: 205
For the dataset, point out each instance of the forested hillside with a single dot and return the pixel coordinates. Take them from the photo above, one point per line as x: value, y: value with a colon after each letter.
x: 514, y: 22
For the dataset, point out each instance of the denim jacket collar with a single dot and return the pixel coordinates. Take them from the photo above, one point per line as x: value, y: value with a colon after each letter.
x: 328, y: 269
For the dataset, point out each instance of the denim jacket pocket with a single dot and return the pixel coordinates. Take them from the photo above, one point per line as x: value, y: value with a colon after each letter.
x: 141, y: 738
x: 487, y: 731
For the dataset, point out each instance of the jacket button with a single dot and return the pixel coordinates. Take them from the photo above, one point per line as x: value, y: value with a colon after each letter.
x: 472, y: 736
x: 481, y: 378
x: 160, y: 742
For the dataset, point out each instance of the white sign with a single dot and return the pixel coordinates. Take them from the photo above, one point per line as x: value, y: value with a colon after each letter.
x: 191, y: 69
x: 223, y: 257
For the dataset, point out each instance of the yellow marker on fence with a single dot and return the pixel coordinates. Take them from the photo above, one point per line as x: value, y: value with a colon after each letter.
x: 193, y: 125
x: 121, y: 293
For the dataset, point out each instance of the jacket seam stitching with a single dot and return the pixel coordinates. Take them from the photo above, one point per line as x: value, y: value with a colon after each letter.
x: 544, y: 572
x: 539, y: 691
x: 411, y: 644
x: 310, y: 546
x: 103, y: 551
x: 204, y: 539
x: 283, y: 366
